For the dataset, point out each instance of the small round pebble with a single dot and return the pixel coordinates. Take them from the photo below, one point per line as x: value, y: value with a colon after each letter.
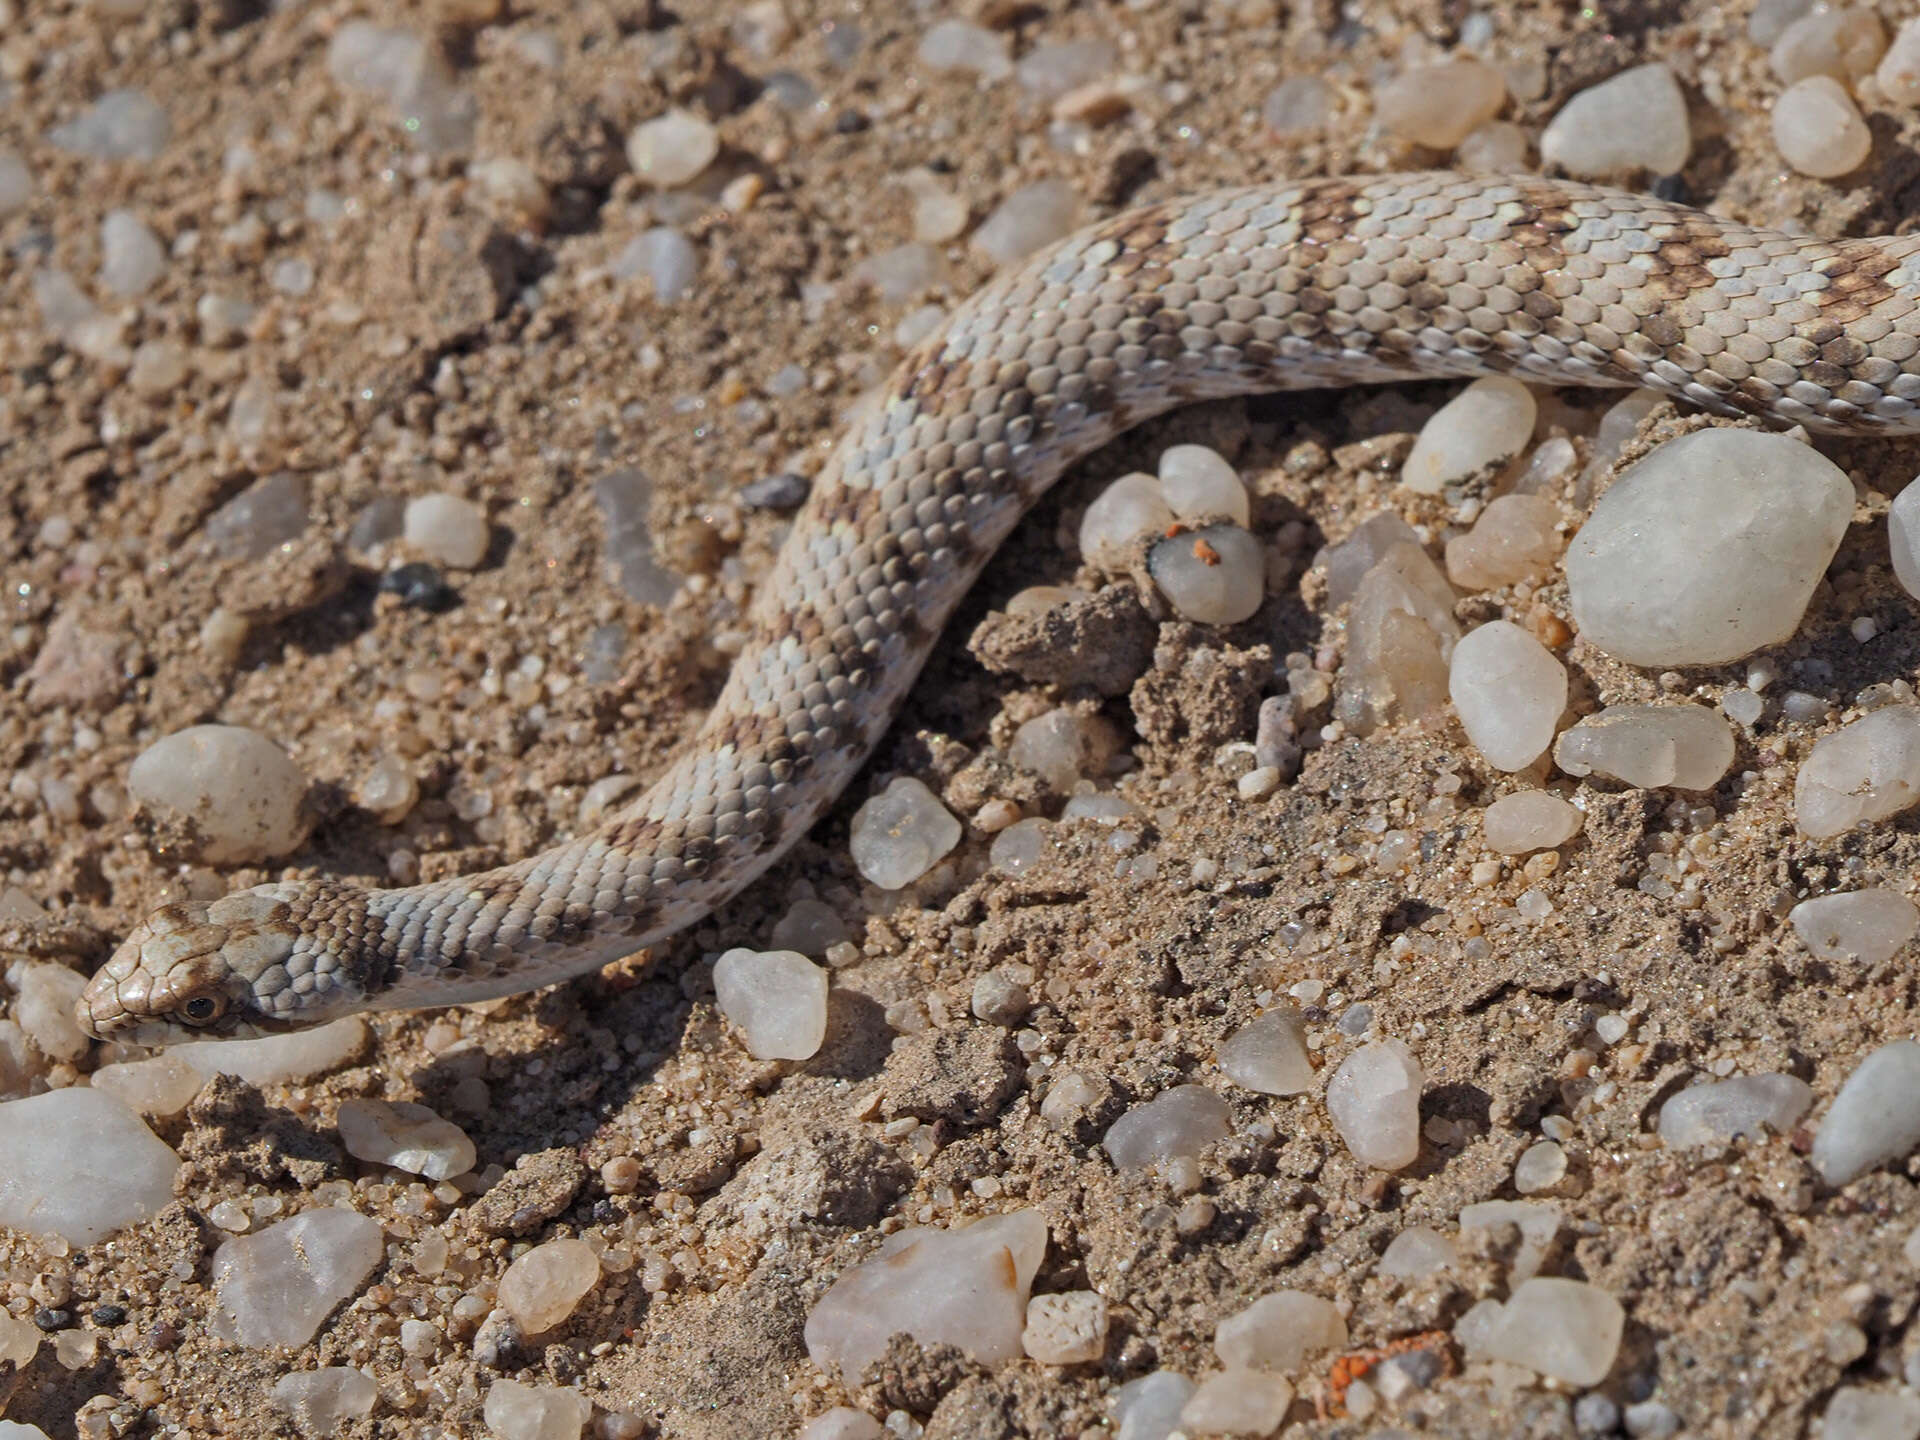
x: 1509, y: 690
x: 1865, y: 925
x: 778, y: 998
x: 1516, y: 538
x: 1215, y: 576
x: 406, y: 1136
x: 666, y: 257
x: 1530, y: 820
x: 448, y: 530
x: 1541, y: 1167
x: 1898, y: 74
x: 545, y: 1285
x: 1270, y: 1055
x: 1066, y: 1329
x: 1478, y: 431
x: 1033, y: 216
x: 1021, y: 846
x: 844, y: 1423
x: 672, y: 149
x: 1198, y: 483
x: 1497, y: 148
x: 514, y: 1411
x: 1417, y: 1251
x: 1438, y: 106
x: 963, y: 45
x: 1636, y: 121
x: 1374, y: 1100
x: 1843, y: 42
x: 1279, y: 1331
x: 1818, y: 130
x: 1132, y: 506
x: 238, y: 790
x: 132, y: 259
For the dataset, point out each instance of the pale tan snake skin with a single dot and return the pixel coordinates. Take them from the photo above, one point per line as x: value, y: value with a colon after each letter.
x: 1271, y: 287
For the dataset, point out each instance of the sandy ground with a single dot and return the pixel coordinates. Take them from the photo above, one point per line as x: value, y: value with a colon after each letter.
x: 1751, y: 1293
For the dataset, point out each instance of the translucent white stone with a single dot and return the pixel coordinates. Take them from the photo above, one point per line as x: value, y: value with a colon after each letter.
x: 275, y: 1287
x: 1374, y: 1100
x: 1538, y: 1223
x: 1509, y: 691
x: 1769, y: 19
x: 1566, y: 1329
x: 1688, y: 747
x: 843, y: 1422
x: 1066, y: 1329
x: 1278, y: 1332
x: 1215, y: 576
x: 1875, y: 1117
x: 1033, y: 216
x: 120, y: 125
x: 1149, y: 1408
x: 320, y: 1401
x: 545, y: 1285
x: 1134, y: 505
x: 963, y: 1287
x: 447, y: 529
x: 269, y: 513
x: 132, y: 258
x: 901, y: 833
x: 1903, y: 524
x: 1708, y: 549
x: 1854, y: 1413
x: 164, y: 1085
x: 666, y: 257
x: 1270, y: 1055
x: 809, y: 926
x: 406, y: 1136
x: 1530, y: 820
x: 1298, y: 106
x: 1898, y: 74
x: 274, y: 1059
x: 44, y: 998
x: 1438, y: 106
x: 1021, y: 846
x: 1635, y: 121
x: 1515, y: 538
x: 962, y: 45
x: 1062, y: 746
x: 159, y: 368
x: 1864, y: 771
x: 624, y: 496
x: 1237, y: 1402
x: 1498, y: 147
x: 1054, y: 67
x: 1844, y: 42
x: 1400, y: 636
x: 900, y: 273
x: 1867, y: 925
x: 16, y: 183
x: 78, y: 1164
x: 1417, y: 1251
x: 1181, y: 1120
x: 1475, y: 433
x: 236, y: 788
x: 778, y: 998
x: 1818, y: 130
x: 1000, y: 998
x: 1199, y: 483
x: 514, y: 1411
x: 1748, y: 1105
x: 672, y: 149
x: 1541, y: 1167
x: 1349, y: 562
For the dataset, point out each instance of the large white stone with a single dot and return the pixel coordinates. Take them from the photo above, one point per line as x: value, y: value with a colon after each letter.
x: 1635, y: 121
x: 275, y: 1287
x: 1875, y: 1117
x: 78, y: 1164
x: 1708, y: 549
x: 778, y: 998
x: 1566, y: 1329
x: 1374, y: 1099
x: 239, y: 791
x: 1509, y: 691
x: 1688, y: 747
x: 1864, y: 771
x: 1869, y: 925
x: 901, y: 833
x: 1747, y: 1105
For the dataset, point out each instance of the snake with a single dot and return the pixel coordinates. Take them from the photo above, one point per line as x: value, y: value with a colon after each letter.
x: 1310, y: 283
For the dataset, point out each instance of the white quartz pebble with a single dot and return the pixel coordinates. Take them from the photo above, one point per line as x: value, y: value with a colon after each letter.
x: 1237, y: 1402
x: 963, y: 1287
x: 1864, y: 771
x: 1417, y: 1251
x: 1898, y: 74
x: 1061, y: 746
x: 1354, y: 558
x: 1437, y: 106
x: 666, y: 257
x: 447, y: 529
x: 672, y: 149
x: 1400, y: 636
x: 545, y: 1285
x: 1843, y: 42
x: 1719, y: 1110
x: 843, y: 1422
x: 1181, y: 1120
x: 1538, y: 1222
x: 1298, y: 106
x: 132, y: 258
x: 120, y: 125
x: 1475, y: 433
x: 1903, y: 537
x: 1867, y: 925
x: 514, y: 1411
x: 810, y: 926
x: 164, y: 1085
x: 273, y: 1059
x: 1066, y: 1329
x: 1374, y: 1099
x: 1635, y: 121
x: 1818, y: 130
x: 1033, y: 216
x: 963, y: 45
x: 1132, y: 506
x: 1498, y: 147
x: 1875, y: 1117
x: 1688, y: 747
x: 276, y: 1287
x: 1530, y: 820
x: 1855, y: 1413
x: 237, y: 790
x: 406, y: 1136
x: 1149, y: 1408
x: 320, y: 1401
x: 79, y: 1165
x: 1216, y: 576
x: 1199, y: 483
x: 1270, y: 1054
x: 1515, y: 538
x: 901, y: 833
x: 1509, y: 690
x: 1566, y: 1329
x: 778, y: 998
x: 43, y: 1005
x: 1707, y: 549
x: 16, y: 182
x: 1278, y: 1332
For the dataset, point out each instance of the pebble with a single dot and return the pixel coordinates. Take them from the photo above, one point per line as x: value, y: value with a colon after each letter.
x: 953, y: 1287
x: 1416, y: 1252
x: 1181, y: 1120
x: 388, y: 790
x: 810, y: 926
x: 778, y: 998
x: 1530, y: 820
x: 1897, y: 76
x: 1270, y: 1055
x: 448, y: 530
x: 1001, y: 997
x: 1875, y: 1117
x: 164, y: 1085
x: 1687, y: 747
x: 159, y: 367
x: 1708, y: 549
x: 405, y: 1136
x: 1061, y: 746
x: 1516, y: 538
x: 120, y: 125
x: 1537, y: 1222
x: 782, y: 492
x: 1497, y: 148
x: 1854, y: 1413
x: 277, y: 1286
x: 320, y: 1401
x: 1033, y: 216
x: 962, y: 45
x: 16, y: 183
x: 844, y: 1423
x: 1842, y: 42
x: 223, y: 319
x: 623, y: 496
x: 1354, y: 558
x: 77, y: 321
x: 1903, y: 537
x: 1769, y: 19
x: 1053, y: 68
x: 1818, y: 130
x: 43, y: 1005
x: 1066, y: 1329
x: 900, y: 834
x: 79, y: 1165
x: 1215, y: 576
x: 271, y: 512
x: 1509, y: 691
x: 239, y: 792
x: 514, y: 1411
x: 1864, y: 771
x: 1277, y: 1332
x: 1238, y: 1402
x: 1021, y: 846
x: 1132, y: 506
x: 1635, y: 121
x: 1374, y: 1100
x: 1540, y: 1168
x: 1650, y: 1420
x: 274, y: 1059
x: 1199, y: 484
x: 1565, y: 1329
x: 1863, y: 925
x: 1438, y: 106
x: 132, y: 259
x: 291, y: 276
x: 545, y: 1285
x: 1298, y: 107
x: 1720, y: 1110
x: 666, y: 257
x: 900, y: 273
x: 1149, y: 1408
x: 1476, y: 433
x: 1400, y: 637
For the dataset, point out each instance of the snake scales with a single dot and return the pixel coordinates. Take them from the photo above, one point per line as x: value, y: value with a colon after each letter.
x: 1271, y: 287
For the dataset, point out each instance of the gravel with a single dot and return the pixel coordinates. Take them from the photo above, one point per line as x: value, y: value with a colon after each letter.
x: 1509, y: 691
x: 1637, y: 121
x: 238, y: 792
x: 1688, y: 747
x: 1374, y: 1101
x: 901, y: 834
x: 778, y: 998
x: 1474, y: 434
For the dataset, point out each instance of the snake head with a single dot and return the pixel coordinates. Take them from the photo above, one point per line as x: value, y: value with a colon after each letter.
x: 228, y: 969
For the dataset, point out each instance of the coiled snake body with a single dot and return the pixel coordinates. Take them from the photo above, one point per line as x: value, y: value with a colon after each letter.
x: 1270, y: 287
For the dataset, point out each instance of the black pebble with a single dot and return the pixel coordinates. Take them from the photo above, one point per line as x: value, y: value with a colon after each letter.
x: 420, y: 586
x: 50, y: 1319
x: 851, y: 122
x: 784, y: 491
x: 1672, y: 188
x: 109, y: 1314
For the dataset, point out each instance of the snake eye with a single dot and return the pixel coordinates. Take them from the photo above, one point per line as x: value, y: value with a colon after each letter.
x: 202, y: 1009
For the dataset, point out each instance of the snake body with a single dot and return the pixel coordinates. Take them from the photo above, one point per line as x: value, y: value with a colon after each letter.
x: 1269, y: 287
